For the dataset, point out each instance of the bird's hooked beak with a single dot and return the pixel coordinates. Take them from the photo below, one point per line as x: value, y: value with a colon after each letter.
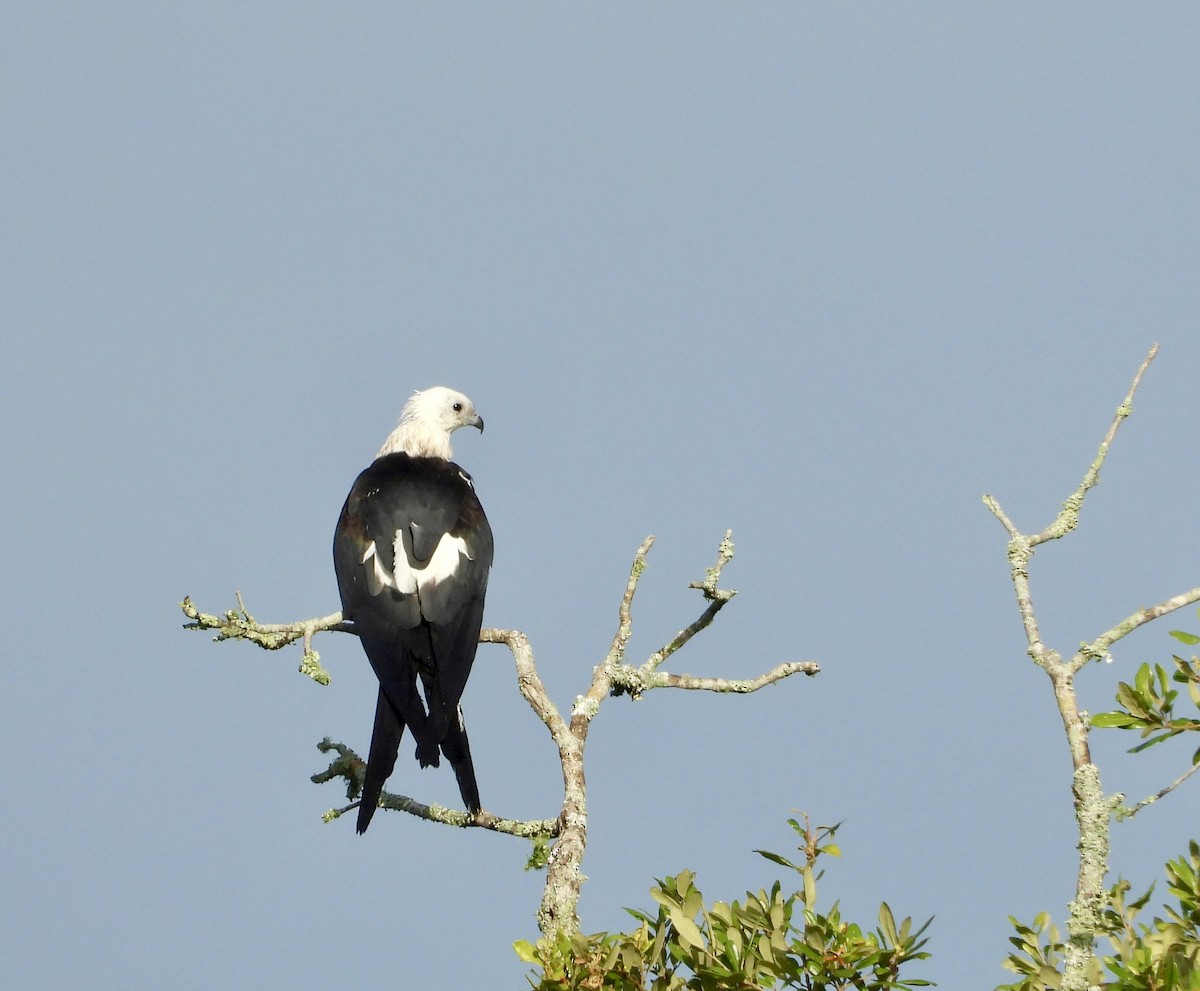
x: 477, y: 422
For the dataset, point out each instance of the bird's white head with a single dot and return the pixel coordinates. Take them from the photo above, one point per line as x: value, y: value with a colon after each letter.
x: 428, y: 420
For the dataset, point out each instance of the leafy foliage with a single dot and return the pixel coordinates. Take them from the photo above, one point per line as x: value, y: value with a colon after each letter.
x: 1163, y: 955
x: 767, y: 940
x: 1148, y: 705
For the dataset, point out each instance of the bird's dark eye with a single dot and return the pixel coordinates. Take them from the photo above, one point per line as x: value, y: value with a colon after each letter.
x: 458, y: 407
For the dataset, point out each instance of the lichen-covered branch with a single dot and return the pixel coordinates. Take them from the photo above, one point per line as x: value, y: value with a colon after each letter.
x: 1097, y: 649
x: 1130, y: 812
x: 613, y: 676
x: 529, y: 682
x: 1085, y: 914
x: 620, y: 678
x: 352, y: 768
x: 564, y: 880
x: 637, y: 681
x: 1093, y: 809
x: 1021, y: 546
x: 238, y: 624
x: 1068, y: 517
x: 587, y: 705
x: 716, y: 598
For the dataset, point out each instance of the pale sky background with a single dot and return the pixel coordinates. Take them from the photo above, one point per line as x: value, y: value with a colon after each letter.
x: 822, y: 274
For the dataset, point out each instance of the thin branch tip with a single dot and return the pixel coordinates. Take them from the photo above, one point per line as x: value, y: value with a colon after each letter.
x: 636, y: 681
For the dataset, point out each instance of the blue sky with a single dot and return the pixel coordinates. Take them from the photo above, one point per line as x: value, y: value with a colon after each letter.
x: 820, y: 274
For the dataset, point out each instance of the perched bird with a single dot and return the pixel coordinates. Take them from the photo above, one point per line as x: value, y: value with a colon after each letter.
x: 412, y: 551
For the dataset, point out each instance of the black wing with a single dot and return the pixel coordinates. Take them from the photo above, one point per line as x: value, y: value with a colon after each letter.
x: 412, y: 552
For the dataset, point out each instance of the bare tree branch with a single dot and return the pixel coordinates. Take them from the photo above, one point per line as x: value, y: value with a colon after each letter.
x: 1098, y: 649
x: 716, y: 597
x: 587, y: 705
x: 636, y: 681
x: 238, y: 624
x: 350, y: 767
x: 529, y: 682
x: 1021, y: 546
x: 1068, y: 517
x: 1093, y: 809
x: 564, y: 878
x: 1129, y: 813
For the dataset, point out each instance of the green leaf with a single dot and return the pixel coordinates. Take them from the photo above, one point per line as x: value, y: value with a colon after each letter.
x: 777, y: 859
x: 810, y: 887
x: 525, y: 950
x: 688, y: 931
x: 1189, y: 638
x: 683, y: 881
x: 1152, y: 741
x: 887, y: 923
x: 722, y: 913
x: 1120, y: 720
x: 656, y: 949
x: 1141, y: 680
x: 1127, y: 697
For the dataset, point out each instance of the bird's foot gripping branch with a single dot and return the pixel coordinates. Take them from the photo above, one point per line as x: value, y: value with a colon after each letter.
x: 560, y: 842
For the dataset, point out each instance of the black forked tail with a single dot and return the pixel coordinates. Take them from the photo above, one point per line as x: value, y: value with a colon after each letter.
x: 458, y: 751
x: 385, y: 744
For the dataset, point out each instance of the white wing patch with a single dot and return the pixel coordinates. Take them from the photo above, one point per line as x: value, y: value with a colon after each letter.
x: 406, y: 579
x: 377, y: 578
